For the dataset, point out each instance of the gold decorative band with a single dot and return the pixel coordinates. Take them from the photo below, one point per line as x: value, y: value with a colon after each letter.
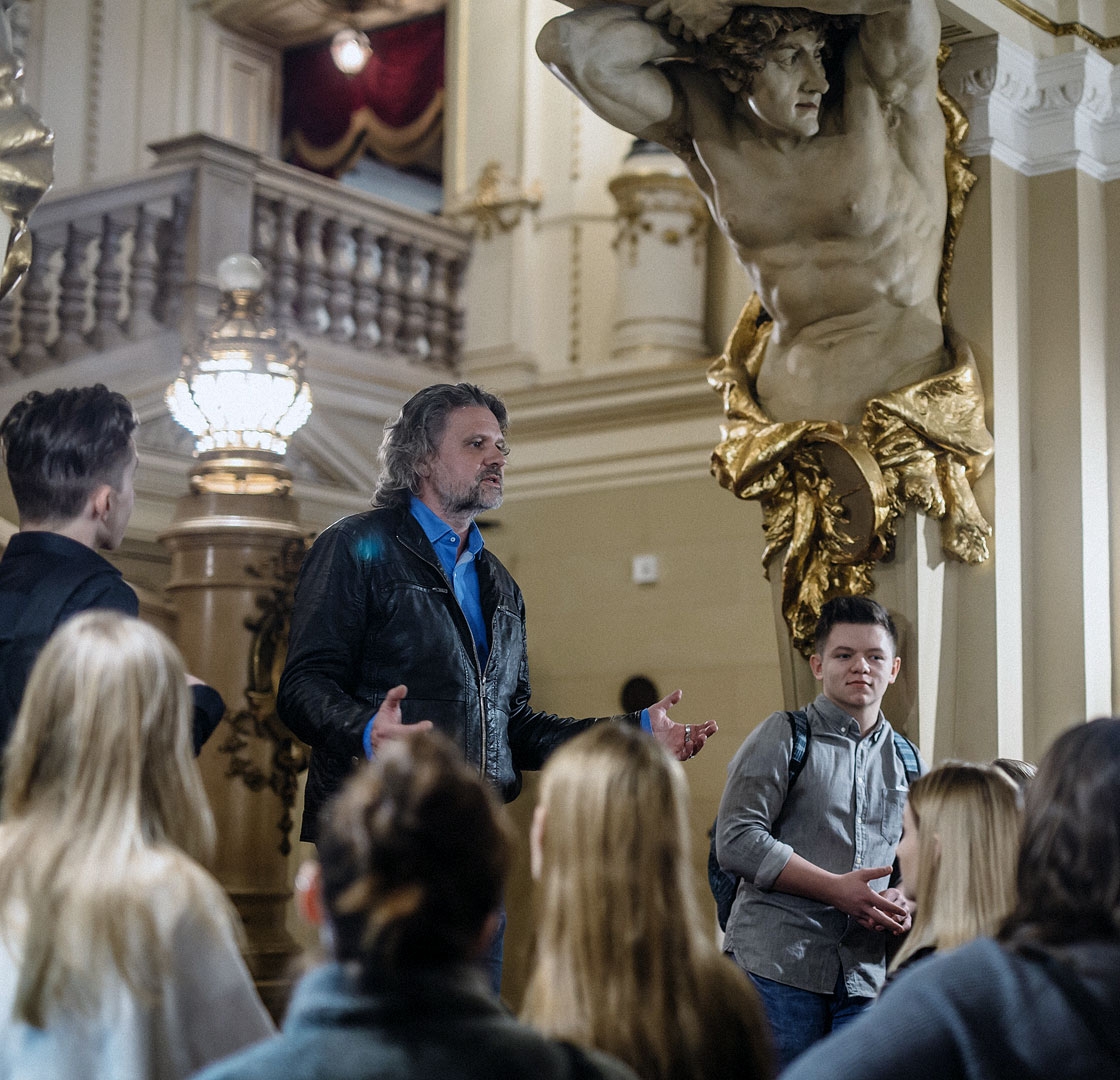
x: 1066, y: 29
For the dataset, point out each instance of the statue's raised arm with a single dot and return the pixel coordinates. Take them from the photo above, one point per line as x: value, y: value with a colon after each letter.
x: 608, y: 55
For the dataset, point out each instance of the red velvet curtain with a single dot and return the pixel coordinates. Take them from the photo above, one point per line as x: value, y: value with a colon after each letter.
x: 393, y: 107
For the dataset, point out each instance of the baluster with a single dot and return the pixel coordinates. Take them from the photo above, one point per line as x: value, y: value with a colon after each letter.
x: 312, y: 291
x: 35, y: 316
x: 439, y: 328
x: 367, y: 269
x: 456, y: 319
x: 264, y: 243
x: 73, y: 289
x: 285, y: 257
x: 142, y: 287
x: 172, y: 274
x: 340, y: 295
x: 107, y: 291
x: 414, y: 339
x: 389, y: 289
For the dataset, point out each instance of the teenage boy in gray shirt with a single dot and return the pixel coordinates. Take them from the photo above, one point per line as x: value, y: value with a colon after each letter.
x: 812, y: 910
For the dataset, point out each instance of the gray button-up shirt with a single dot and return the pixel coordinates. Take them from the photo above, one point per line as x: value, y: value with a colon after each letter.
x: 844, y: 812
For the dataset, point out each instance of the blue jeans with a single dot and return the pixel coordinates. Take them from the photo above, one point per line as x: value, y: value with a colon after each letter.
x: 798, y: 1018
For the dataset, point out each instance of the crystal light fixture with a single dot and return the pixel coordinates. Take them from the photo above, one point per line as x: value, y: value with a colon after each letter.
x: 242, y: 393
x: 350, y: 50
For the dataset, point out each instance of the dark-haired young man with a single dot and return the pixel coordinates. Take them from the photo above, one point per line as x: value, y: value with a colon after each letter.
x: 808, y: 924
x: 71, y: 458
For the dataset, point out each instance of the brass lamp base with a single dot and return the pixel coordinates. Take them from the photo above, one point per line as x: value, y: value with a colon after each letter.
x: 241, y: 472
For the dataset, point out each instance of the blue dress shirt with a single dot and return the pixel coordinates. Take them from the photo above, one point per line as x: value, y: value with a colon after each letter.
x: 461, y: 570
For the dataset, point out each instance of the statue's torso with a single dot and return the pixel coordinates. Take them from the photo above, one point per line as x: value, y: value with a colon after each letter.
x: 842, y: 237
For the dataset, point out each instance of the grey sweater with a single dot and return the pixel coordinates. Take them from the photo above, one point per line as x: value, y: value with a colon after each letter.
x: 980, y: 1012
x: 436, y: 1025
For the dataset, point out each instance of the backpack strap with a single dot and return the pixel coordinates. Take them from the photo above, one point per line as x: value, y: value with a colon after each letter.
x: 908, y: 754
x: 799, y: 728
x: 724, y: 885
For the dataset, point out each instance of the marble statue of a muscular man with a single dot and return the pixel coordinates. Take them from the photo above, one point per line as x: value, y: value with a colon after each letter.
x: 835, y: 203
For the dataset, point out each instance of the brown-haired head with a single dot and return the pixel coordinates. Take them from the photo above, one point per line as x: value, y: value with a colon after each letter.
x: 1069, y: 860
x: 857, y: 610
x: 414, y: 856
x: 59, y: 447
x: 413, y: 437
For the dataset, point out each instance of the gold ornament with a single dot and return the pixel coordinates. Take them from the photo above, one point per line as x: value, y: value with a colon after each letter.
x: 832, y: 493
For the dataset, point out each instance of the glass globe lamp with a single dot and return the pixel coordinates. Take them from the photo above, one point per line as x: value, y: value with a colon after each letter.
x: 242, y: 393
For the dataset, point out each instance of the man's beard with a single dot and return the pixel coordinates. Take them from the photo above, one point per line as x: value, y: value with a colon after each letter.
x: 475, y: 499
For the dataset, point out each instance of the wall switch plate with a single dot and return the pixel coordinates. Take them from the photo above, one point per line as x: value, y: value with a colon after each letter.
x: 644, y: 570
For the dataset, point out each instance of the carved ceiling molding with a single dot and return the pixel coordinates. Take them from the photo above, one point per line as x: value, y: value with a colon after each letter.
x: 1062, y: 29
x: 1039, y: 115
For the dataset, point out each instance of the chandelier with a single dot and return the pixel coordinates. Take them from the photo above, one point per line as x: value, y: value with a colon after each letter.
x: 350, y: 48
x: 243, y: 389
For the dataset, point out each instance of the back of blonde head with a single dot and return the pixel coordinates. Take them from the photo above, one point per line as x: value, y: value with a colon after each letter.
x: 624, y: 963
x: 968, y: 819
x: 99, y: 777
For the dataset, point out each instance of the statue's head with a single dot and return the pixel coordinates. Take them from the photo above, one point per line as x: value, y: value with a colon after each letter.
x: 747, y: 42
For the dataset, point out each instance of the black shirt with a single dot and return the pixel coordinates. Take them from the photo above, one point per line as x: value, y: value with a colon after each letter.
x: 45, y: 578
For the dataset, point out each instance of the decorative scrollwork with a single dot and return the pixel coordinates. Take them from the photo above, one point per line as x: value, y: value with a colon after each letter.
x: 642, y: 197
x: 259, y: 719
x: 496, y: 203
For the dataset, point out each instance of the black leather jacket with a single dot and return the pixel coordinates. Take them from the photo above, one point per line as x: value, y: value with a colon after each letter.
x: 374, y: 609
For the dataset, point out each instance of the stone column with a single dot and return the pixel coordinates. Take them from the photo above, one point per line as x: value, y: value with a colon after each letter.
x: 1036, y: 291
x: 232, y: 560
x: 662, y: 247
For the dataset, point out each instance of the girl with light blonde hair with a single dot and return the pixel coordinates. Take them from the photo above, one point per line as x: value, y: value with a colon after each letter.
x: 957, y: 856
x: 624, y: 960
x: 118, y: 952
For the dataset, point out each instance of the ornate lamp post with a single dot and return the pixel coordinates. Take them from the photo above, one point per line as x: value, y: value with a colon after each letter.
x: 235, y: 544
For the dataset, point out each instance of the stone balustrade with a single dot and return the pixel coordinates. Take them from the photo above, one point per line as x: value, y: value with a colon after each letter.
x: 356, y: 270
x: 107, y: 266
x: 122, y: 261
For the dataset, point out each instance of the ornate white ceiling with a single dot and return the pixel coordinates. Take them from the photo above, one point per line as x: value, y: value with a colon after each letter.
x: 284, y: 23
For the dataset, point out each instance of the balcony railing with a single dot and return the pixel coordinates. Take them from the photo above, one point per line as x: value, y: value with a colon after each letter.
x: 122, y: 261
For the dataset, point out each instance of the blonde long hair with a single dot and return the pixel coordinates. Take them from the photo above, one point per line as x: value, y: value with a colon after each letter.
x: 968, y: 819
x: 624, y: 962
x: 99, y: 777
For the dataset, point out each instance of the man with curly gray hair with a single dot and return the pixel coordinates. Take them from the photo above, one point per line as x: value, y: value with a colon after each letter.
x: 404, y: 621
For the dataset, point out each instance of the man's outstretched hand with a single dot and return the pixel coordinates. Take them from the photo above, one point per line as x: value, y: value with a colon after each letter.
x: 387, y: 721
x: 681, y: 740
